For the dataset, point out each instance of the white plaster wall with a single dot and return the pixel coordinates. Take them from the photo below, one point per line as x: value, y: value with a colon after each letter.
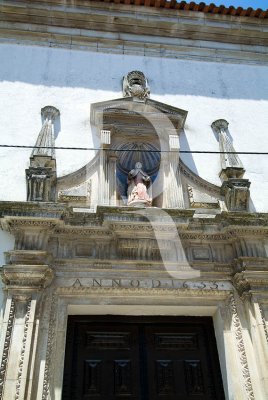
x: 32, y: 77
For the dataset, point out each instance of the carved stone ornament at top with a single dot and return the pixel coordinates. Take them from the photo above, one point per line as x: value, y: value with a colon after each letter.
x: 139, y: 187
x: 135, y: 85
x: 45, y: 141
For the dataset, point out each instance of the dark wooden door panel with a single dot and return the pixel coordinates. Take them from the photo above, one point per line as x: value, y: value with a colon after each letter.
x: 178, y: 365
x: 104, y: 362
x: 141, y: 358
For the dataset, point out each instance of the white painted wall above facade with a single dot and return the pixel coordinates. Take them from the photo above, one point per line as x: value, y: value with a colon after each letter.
x: 33, y: 77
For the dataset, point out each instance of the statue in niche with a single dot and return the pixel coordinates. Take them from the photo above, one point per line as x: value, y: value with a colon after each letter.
x: 135, y: 85
x: 139, y: 187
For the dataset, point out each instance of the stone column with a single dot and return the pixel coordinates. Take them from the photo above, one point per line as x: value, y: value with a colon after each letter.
x: 245, y: 383
x: 172, y: 186
x: 24, y: 285
x: 230, y: 363
x: 259, y: 336
x: 250, y: 279
x: 104, y: 195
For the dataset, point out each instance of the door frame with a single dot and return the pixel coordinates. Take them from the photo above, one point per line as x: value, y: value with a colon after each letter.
x: 147, y: 302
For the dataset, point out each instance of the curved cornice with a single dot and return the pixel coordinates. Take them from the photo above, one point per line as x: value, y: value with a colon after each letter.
x: 198, y: 181
x: 80, y: 176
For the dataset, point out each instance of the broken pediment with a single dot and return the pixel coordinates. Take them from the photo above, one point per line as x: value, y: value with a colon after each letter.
x: 128, y: 115
x: 200, y: 199
x: 76, y: 194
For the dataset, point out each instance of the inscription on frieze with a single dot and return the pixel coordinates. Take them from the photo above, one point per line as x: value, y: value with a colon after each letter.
x: 150, y: 283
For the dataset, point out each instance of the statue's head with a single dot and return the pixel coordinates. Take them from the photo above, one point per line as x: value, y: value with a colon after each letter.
x: 138, y: 165
x: 135, y: 85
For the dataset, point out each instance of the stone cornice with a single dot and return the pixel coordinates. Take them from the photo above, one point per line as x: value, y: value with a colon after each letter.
x: 147, y: 30
x: 32, y: 209
x: 106, y: 220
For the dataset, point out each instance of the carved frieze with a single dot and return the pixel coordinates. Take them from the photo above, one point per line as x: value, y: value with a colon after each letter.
x: 31, y: 234
x: 93, y: 240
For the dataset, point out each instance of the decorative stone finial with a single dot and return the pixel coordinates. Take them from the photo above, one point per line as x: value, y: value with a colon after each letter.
x: 135, y: 85
x: 231, y: 165
x: 50, y: 113
x: 41, y: 175
x: 219, y: 125
x: 45, y: 140
x: 234, y: 188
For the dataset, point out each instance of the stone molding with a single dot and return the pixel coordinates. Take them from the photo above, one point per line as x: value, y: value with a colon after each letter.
x: 7, y: 342
x: 241, y: 348
x: 49, y: 349
x: 23, y: 349
x: 76, y: 290
x: 27, y: 257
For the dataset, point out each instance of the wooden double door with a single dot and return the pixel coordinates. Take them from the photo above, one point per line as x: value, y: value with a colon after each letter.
x: 141, y: 358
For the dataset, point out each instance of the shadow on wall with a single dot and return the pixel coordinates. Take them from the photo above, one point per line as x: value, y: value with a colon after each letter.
x: 187, y: 158
x: 97, y: 71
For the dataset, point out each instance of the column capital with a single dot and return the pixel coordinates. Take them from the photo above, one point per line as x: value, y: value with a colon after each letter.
x: 26, y: 279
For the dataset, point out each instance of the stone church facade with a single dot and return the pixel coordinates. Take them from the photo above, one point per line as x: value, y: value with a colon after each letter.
x: 128, y: 239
